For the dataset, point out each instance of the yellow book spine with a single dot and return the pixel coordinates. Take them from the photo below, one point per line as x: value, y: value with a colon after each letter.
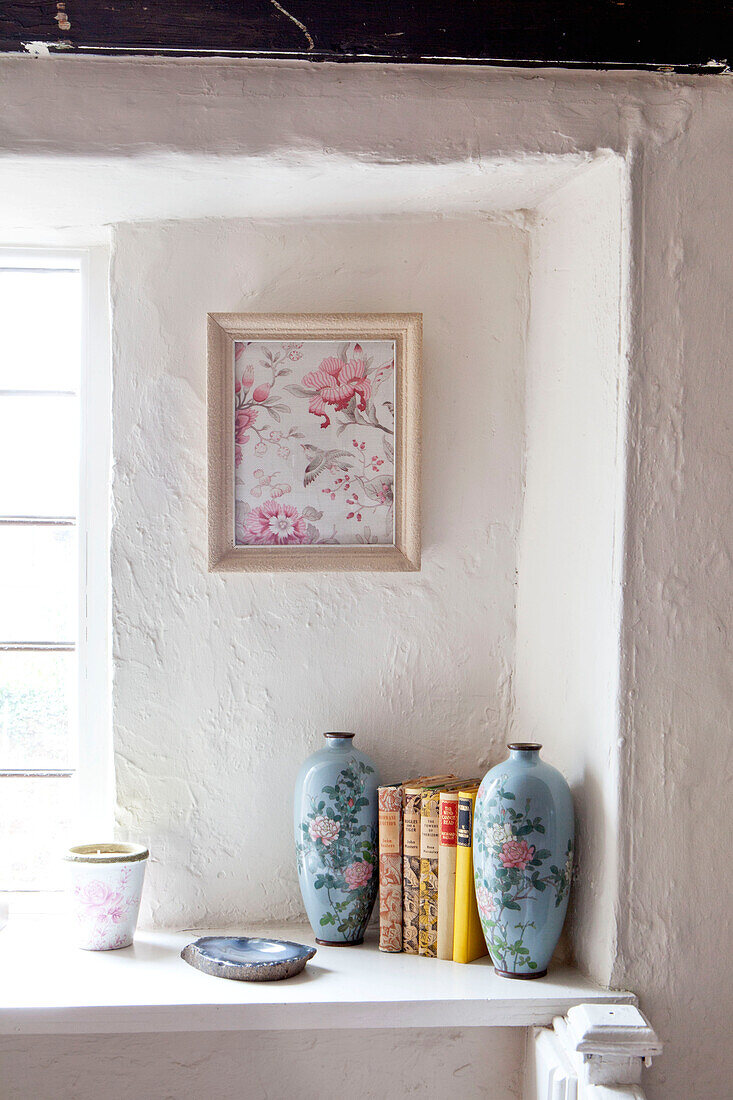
x: 468, y: 938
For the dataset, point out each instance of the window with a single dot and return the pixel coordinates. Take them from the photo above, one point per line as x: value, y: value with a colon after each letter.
x: 53, y: 555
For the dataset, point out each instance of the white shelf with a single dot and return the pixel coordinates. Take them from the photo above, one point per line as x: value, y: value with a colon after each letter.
x: 48, y: 987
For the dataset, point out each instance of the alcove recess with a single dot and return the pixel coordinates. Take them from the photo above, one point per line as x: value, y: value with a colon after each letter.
x: 564, y: 675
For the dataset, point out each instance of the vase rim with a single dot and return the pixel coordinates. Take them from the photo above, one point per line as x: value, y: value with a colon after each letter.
x: 348, y: 736
x: 525, y: 746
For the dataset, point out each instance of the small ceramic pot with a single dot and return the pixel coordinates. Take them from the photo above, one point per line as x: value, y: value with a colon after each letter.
x: 105, y: 887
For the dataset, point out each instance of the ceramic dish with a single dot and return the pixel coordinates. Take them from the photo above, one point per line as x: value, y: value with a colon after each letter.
x: 247, y: 958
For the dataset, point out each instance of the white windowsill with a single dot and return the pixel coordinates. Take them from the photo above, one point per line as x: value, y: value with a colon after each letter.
x: 50, y: 987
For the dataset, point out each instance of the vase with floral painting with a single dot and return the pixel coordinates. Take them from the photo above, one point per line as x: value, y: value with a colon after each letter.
x: 335, y: 823
x: 523, y: 835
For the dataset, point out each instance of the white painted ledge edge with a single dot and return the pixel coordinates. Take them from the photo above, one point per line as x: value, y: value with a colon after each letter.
x: 49, y: 987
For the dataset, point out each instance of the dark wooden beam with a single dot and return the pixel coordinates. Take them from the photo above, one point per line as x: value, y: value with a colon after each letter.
x: 683, y: 36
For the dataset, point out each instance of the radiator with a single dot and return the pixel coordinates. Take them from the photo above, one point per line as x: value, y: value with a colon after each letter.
x: 596, y: 1052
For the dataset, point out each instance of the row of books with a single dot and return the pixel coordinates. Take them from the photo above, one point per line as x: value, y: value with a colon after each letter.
x: 427, y: 901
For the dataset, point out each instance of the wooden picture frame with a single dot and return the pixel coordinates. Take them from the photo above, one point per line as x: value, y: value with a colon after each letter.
x: 244, y: 504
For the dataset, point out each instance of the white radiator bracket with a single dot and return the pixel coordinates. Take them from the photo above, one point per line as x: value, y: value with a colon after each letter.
x: 608, y: 1043
x: 596, y: 1052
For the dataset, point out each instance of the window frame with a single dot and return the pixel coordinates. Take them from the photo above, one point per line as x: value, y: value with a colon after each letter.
x: 93, y: 757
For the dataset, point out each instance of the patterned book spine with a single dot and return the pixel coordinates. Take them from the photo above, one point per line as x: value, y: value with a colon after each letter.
x: 429, y: 840
x: 390, y: 868
x: 411, y: 870
x: 447, y: 872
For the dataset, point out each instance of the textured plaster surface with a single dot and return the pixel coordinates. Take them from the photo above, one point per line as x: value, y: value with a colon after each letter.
x: 571, y: 539
x: 308, y: 1065
x: 673, y: 744
x: 224, y: 683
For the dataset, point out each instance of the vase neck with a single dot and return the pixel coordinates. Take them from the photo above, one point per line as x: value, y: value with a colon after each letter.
x: 338, y: 741
x: 525, y: 752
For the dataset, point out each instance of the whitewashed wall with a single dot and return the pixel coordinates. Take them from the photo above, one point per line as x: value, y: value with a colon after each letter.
x: 305, y: 1065
x: 571, y: 542
x: 164, y: 122
x: 223, y: 684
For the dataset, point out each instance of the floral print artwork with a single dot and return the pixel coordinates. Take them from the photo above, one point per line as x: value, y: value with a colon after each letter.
x: 517, y: 870
x: 343, y: 851
x: 313, y: 424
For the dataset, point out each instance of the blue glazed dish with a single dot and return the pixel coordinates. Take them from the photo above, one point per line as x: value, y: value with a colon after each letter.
x: 523, y: 835
x: 335, y: 823
x: 247, y: 958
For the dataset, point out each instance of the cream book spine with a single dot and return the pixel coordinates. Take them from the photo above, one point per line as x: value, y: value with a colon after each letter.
x: 448, y: 814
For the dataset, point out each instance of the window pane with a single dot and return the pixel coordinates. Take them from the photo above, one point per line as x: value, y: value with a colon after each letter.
x: 38, y: 584
x: 35, y: 826
x: 39, y: 452
x: 37, y: 692
x: 40, y: 323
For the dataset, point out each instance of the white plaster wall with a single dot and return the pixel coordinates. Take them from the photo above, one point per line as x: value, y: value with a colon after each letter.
x: 676, y: 692
x: 571, y: 541
x: 307, y: 1065
x: 224, y: 683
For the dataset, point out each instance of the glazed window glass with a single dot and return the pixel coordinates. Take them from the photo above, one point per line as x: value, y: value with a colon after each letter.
x: 47, y: 549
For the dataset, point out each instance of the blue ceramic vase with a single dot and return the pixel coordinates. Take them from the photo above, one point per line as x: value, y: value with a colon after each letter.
x: 336, y: 840
x: 523, y: 834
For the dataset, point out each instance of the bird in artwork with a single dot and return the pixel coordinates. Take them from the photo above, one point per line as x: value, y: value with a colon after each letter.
x: 319, y: 460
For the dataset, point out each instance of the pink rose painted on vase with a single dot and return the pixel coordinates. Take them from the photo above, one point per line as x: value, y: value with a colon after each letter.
x: 358, y: 875
x: 485, y: 901
x: 516, y: 853
x: 276, y: 524
x: 324, y: 828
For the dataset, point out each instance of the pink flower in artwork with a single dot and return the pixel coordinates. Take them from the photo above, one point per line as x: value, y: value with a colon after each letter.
x: 516, y: 853
x: 485, y: 901
x: 293, y: 351
x: 97, y: 895
x: 262, y: 392
x: 335, y: 383
x: 261, y: 448
x: 243, y: 384
x: 276, y: 524
x: 358, y: 874
x: 324, y: 828
x: 243, y: 420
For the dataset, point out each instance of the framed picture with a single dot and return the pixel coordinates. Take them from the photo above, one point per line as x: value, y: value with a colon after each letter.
x: 314, y: 441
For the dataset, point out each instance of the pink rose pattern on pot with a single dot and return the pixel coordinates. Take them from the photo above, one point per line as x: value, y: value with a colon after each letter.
x: 100, y: 907
x: 315, y: 420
